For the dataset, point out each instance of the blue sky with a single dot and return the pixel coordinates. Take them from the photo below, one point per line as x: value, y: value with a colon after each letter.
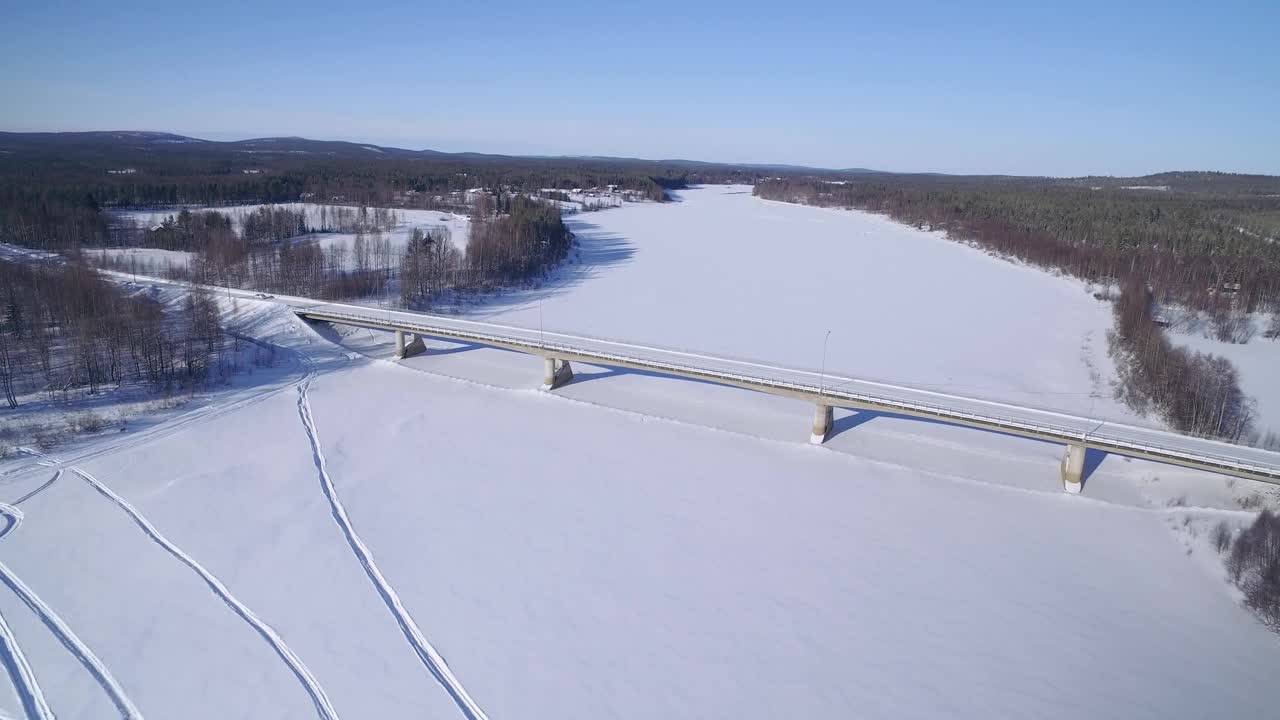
x: 1081, y: 88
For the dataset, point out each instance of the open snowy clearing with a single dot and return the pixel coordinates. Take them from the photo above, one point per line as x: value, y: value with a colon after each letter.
x: 459, y: 226
x: 151, y: 261
x: 563, y: 558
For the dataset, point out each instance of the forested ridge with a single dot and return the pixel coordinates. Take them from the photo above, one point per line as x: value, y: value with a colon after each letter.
x: 53, y: 186
x: 1186, y: 245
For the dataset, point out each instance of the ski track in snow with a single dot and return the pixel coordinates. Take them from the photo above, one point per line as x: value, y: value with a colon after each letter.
x: 24, y: 679
x: 323, y: 707
x: 426, y: 652
x: 31, y: 691
x: 48, y: 483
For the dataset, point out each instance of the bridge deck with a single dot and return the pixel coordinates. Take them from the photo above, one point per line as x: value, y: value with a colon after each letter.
x: 826, y: 389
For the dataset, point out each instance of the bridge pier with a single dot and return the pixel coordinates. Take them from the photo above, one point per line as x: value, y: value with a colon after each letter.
x: 822, y: 420
x: 408, y: 350
x: 1073, y: 468
x: 556, y: 374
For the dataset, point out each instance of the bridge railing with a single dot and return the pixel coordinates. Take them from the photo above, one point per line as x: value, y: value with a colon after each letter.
x: 1020, y: 419
x: 1026, y: 421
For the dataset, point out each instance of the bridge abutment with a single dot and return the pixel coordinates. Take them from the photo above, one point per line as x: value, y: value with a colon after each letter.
x: 822, y: 420
x: 404, y: 350
x: 557, y: 373
x: 1073, y: 468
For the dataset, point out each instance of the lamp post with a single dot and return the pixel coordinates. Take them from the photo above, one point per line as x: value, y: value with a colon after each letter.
x: 822, y: 376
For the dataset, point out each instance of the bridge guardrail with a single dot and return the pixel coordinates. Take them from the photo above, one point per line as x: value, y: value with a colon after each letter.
x: 1097, y: 436
x: 1087, y: 431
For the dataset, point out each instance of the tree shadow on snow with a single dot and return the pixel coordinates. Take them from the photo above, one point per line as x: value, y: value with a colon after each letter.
x: 595, y: 251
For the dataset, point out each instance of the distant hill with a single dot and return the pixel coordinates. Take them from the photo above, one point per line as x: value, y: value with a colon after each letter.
x: 159, y: 142
x: 112, y: 148
x: 120, y: 144
x: 1193, y: 181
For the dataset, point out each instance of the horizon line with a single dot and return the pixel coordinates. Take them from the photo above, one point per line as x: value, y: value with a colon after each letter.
x: 565, y: 156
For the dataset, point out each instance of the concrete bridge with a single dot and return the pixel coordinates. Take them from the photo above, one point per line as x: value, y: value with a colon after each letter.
x: 1076, y: 434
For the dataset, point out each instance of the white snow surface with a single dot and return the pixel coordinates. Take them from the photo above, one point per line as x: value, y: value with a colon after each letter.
x: 434, y: 537
x: 146, y: 259
x: 724, y: 272
x: 563, y: 557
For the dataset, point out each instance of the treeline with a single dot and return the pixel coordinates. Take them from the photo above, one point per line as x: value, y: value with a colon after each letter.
x: 430, y: 267
x: 1253, y: 564
x: 524, y: 242
x: 292, y: 266
x: 49, y: 217
x: 1187, y: 247
x: 189, y: 232
x: 362, y: 219
x: 53, y: 197
x: 193, y: 231
x: 272, y: 224
x: 65, y: 327
x: 1170, y: 248
x: 513, y: 240
x: 213, y: 233
x: 1195, y: 392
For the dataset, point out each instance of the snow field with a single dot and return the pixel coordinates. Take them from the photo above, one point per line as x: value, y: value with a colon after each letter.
x: 609, y: 562
x: 648, y: 568
x: 437, y: 538
x: 139, y: 614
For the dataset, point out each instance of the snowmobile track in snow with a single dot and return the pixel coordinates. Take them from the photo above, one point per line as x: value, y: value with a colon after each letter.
x: 323, y: 707
x: 426, y: 652
x: 24, y: 679
x: 64, y: 634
